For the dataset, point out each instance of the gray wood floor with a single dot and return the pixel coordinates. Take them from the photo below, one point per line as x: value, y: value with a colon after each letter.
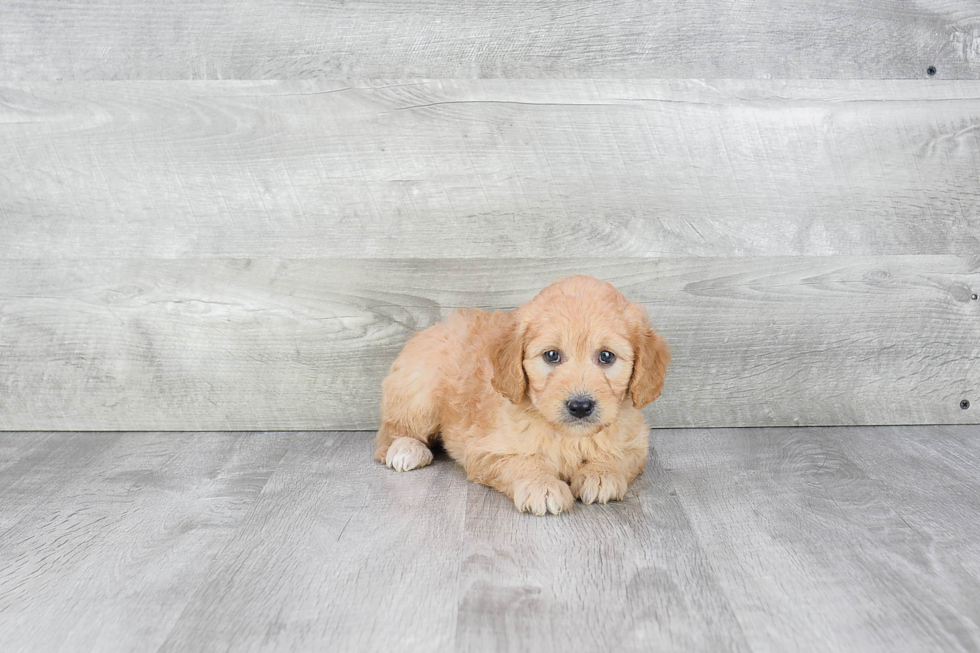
x: 779, y: 539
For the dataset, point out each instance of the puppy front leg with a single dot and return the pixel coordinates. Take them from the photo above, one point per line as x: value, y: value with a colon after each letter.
x: 525, y: 479
x: 607, y: 478
x: 596, y: 483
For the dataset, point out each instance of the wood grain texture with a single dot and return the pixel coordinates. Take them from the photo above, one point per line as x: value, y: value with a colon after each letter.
x: 32, y: 471
x: 630, y: 576
x: 507, y: 168
x: 45, y: 39
x: 304, y: 344
x: 793, y: 524
x: 114, y: 550
x: 929, y: 497
x: 853, y: 539
x: 337, y: 549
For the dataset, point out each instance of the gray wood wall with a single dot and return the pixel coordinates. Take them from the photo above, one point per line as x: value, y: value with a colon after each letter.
x: 222, y: 217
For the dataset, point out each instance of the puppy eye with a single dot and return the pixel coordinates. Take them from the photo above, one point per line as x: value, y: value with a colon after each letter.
x: 552, y: 356
x: 606, y: 357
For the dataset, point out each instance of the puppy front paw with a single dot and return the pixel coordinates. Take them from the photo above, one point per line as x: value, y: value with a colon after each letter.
x: 596, y: 487
x: 541, y: 496
x: 405, y: 454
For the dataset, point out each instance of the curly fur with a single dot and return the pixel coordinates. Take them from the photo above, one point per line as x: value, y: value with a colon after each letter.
x: 479, y: 382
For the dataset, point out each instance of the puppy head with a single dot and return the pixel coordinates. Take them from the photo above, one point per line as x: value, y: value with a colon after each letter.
x: 578, y: 351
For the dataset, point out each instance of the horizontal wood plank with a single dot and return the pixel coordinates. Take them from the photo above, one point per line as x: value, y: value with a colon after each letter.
x: 791, y: 522
x: 303, y: 344
x: 500, y: 168
x: 343, y: 550
x: 630, y: 576
x: 261, y: 39
x: 128, y: 525
x: 809, y: 540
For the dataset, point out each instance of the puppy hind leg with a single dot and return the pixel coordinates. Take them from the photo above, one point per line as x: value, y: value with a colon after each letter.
x: 403, y: 445
x: 405, y: 454
x: 413, y: 452
x: 409, y: 420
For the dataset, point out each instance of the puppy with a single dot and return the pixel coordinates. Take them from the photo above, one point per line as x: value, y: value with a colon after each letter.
x: 541, y: 403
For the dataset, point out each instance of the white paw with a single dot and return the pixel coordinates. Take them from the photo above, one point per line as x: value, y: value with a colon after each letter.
x: 405, y: 454
x: 543, y: 496
x: 599, y: 488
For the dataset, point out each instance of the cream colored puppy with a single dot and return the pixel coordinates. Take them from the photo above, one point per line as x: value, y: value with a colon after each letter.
x: 541, y: 403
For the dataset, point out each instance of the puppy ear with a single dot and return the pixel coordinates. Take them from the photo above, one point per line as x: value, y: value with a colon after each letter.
x: 507, y: 357
x: 651, y: 355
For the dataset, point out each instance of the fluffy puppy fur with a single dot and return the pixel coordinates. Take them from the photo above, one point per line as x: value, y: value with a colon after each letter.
x: 541, y: 403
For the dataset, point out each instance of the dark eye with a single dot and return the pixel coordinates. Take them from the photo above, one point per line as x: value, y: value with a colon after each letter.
x: 606, y: 357
x: 552, y: 356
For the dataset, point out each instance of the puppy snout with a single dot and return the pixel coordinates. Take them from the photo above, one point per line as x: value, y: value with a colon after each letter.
x: 581, y: 406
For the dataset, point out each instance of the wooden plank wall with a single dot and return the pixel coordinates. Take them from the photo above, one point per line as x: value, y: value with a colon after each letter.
x: 217, y: 217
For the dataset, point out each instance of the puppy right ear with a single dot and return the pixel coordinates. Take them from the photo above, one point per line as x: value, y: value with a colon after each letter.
x: 507, y: 358
x: 651, y: 355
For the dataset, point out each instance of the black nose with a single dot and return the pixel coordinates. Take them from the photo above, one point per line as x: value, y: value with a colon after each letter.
x: 580, y: 406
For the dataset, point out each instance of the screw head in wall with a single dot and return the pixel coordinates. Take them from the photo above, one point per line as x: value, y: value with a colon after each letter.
x: 974, y: 297
x: 965, y: 404
x: 931, y: 70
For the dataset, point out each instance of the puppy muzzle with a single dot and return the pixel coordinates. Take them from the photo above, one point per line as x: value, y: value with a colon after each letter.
x: 581, y: 408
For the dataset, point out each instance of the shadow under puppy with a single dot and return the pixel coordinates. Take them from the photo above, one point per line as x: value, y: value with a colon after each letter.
x: 541, y: 403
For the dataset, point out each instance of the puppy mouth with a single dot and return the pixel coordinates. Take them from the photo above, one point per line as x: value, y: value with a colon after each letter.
x: 570, y: 420
x: 586, y: 422
x: 575, y: 427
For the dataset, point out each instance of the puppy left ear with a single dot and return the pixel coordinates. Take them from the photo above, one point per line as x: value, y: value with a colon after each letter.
x: 651, y: 355
x: 507, y: 358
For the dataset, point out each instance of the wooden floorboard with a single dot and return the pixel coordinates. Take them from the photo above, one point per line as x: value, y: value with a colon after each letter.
x: 796, y: 527
x: 336, y: 549
x: 109, y: 558
x: 36, y: 466
x: 630, y: 576
x: 930, y: 498
x: 808, y: 539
